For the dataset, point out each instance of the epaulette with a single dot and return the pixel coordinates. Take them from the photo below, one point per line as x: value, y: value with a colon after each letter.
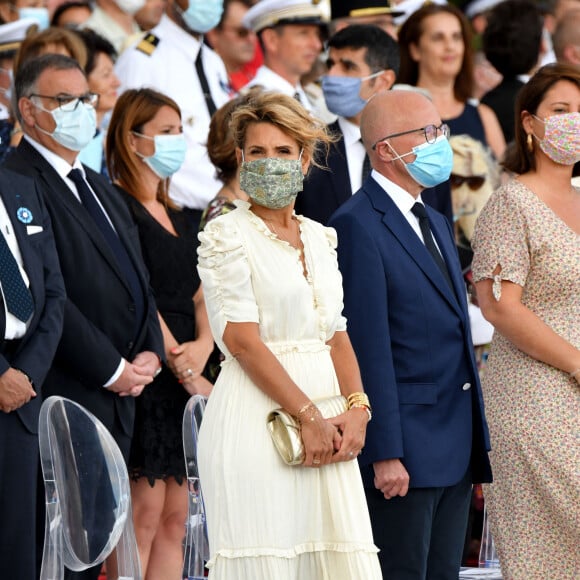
x: 148, y: 44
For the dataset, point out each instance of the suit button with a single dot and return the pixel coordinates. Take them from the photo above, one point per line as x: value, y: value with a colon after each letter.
x: 132, y: 307
x: 466, y: 386
x: 130, y: 344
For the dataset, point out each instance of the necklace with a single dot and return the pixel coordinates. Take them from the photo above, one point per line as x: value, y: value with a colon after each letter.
x: 296, y: 245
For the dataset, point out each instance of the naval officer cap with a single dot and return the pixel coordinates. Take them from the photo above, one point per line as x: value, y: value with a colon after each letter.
x: 269, y: 13
x: 356, y: 8
x: 13, y: 33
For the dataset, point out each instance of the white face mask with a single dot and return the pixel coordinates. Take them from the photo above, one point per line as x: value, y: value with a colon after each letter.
x: 130, y: 6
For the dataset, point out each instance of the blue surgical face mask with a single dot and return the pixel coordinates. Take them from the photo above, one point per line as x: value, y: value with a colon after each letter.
x: 342, y: 94
x: 38, y: 14
x: 433, y: 163
x: 74, y: 129
x: 169, y: 154
x: 202, y: 15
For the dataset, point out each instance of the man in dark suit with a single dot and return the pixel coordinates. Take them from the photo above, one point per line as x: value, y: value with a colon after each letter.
x: 111, y: 342
x: 362, y: 60
x: 31, y: 328
x: 405, y: 301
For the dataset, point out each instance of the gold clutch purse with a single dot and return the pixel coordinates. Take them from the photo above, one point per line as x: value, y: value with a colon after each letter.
x: 285, y: 429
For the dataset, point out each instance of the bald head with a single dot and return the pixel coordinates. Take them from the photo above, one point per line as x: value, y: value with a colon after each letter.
x: 400, y: 113
x: 566, y: 38
x: 390, y: 112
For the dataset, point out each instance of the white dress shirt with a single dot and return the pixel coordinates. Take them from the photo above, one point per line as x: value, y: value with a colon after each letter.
x: 355, y: 152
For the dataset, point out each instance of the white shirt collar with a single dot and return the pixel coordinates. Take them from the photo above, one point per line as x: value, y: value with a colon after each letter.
x: 401, y: 198
x: 61, y: 166
x: 350, y: 131
x: 167, y: 29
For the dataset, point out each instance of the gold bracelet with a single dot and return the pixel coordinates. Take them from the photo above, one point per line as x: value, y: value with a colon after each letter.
x: 359, y: 397
x: 308, y: 412
x: 367, y: 409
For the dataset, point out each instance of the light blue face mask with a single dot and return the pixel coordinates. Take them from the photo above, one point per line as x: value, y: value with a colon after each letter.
x: 74, y: 129
x: 169, y: 154
x: 433, y: 164
x: 342, y: 94
x: 202, y: 15
x: 38, y: 14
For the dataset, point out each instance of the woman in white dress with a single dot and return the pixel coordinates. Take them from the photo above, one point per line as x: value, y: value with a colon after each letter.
x: 274, y: 298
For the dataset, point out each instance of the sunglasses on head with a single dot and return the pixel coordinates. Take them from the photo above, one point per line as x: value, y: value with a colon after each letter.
x: 473, y: 181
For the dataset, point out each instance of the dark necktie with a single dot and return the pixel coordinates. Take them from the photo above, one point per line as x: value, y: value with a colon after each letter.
x: 419, y: 210
x: 16, y: 294
x: 209, y: 102
x: 98, y: 215
x: 366, y: 166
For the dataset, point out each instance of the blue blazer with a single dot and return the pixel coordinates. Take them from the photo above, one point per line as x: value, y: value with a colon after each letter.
x: 36, y: 244
x: 411, y: 335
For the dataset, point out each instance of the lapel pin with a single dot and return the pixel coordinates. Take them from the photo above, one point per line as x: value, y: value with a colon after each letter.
x: 24, y: 215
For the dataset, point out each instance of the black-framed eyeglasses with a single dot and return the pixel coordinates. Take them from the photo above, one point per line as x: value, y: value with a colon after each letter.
x: 474, y: 182
x: 431, y: 133
x: 70, y: 103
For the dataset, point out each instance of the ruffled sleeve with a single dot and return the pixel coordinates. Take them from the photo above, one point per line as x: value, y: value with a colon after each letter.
x: 225, y: 274
x: 325, y: 277
x: 500, y: 240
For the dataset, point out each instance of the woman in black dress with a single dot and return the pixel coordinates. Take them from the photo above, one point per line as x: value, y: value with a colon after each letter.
x: 145, y: 146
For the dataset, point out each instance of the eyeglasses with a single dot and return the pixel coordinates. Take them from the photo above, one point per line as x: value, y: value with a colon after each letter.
x: 430, y: 131
x: 70, y: 103
x: 239, y: 31
x: 474, y: 182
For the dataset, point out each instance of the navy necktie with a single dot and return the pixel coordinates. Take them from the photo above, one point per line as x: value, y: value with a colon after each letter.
x: 98, y: 215
x: 420, y: 212
x: 16, y: 294
x: 366, y: 167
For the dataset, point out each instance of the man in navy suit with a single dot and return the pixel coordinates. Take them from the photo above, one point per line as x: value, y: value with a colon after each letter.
x: 405, y: 301
x: 111, y: 341
x: 29, y: 341
x: 362, y: 60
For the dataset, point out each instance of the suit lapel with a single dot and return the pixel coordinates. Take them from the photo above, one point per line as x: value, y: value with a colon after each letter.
x: 338, y: 168
x: 29, y: 259
x: 57, y: 187
x: 395, y: 221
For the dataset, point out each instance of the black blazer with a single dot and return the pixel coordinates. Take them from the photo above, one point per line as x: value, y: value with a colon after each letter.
x: 36, y: 243
x: 326, y: 189
x: 100, y: 321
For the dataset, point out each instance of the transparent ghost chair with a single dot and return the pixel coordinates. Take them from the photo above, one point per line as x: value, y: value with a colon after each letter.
x: 88, y: 501
x: 196, y: 543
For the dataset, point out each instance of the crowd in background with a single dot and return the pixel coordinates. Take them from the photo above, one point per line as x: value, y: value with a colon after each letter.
x: 155, y: 85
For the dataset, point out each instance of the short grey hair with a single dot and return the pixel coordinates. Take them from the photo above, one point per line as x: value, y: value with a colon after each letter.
x: 28, y: 74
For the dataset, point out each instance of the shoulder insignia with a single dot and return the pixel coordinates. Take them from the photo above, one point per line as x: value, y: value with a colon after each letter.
x: 148, y: 44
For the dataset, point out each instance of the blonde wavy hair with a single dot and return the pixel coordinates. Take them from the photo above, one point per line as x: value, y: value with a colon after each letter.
x: 288, y: 115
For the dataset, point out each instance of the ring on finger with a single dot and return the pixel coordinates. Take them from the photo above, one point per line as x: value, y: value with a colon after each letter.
x: 316, y: 461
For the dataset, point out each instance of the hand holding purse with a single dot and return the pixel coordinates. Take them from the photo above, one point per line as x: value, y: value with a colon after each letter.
x: 285, y: 428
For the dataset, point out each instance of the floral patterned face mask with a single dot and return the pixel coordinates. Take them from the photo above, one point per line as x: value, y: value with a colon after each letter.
x: 561, y: 142
x: 272, y: 182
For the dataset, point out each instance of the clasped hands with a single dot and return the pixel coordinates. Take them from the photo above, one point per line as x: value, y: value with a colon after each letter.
x: 339, y: 438
x: 136, y: 375
x: 187, y: 361
x: 15, y: 390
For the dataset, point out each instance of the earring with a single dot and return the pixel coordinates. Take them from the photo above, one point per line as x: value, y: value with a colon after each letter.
x: 530, y: 143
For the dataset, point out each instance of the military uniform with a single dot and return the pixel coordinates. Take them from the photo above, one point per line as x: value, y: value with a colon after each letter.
x: 165, y: 60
